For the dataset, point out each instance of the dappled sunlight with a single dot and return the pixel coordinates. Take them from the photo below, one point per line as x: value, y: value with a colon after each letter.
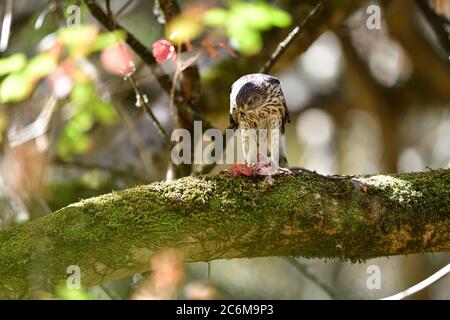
x: 399, y: 189
x: 223, y: 130
x: 322, y: 61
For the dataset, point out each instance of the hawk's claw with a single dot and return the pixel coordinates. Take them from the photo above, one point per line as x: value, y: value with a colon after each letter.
x: 284, y: 170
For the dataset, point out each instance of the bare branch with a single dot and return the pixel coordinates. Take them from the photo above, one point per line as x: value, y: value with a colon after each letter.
x: 303, y: 269
x: 126, y: 174
x: 421, y: 285
x: 142, y: 51
x: 148, y: 109
x: 437, y: 23
x: 291, y: 37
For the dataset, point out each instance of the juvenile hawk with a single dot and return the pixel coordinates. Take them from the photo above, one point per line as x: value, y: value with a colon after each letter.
x: 257, y: 102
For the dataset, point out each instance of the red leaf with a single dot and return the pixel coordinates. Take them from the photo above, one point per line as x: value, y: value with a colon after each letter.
x: 60, y: 83
x: 227, y: 47
x: 163, y: 51
x: 60, y: 80
x: 239, y: 169
x: 213, y: 53
x: 117, y: 59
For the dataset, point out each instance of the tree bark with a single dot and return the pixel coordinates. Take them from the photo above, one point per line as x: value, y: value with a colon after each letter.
x: 222, y: 216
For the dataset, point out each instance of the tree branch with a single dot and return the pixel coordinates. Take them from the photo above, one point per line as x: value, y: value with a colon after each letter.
x: 438, y: 24
x: 187, y: 102
x: 303, y: 269
x: 190, y: 80
x: 215, y: 217
x: 143, y: 101
x: 118, y: 172
x: 421, y: 285
x: 291, y: 37
x: 142, y: 51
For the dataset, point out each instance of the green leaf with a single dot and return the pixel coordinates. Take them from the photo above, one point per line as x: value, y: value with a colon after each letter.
x: 183, y: 28
x: 104, y: 112
x: 248, y: 40
x: 82, y: 122
x: 82, y: 144
x: 82, y: 94
x: 244, y: 22
x: 13, y: 63
x: 281, y: 18
x: 73, y: 294
x: 106, y: 40
x: 78, y: 40
x: 73, y: 140
x: 15, y: 87
x: 255, y: 15
x: 215, y: 17
x: 74, y: 36
x: 40, y: 66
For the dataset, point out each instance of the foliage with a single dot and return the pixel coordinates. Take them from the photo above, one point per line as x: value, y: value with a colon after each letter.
x: 245, y: 21
x: 89, y: 109
x: 63, y: 66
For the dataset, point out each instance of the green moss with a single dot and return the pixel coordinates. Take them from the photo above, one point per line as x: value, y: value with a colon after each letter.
x: 222, y: 216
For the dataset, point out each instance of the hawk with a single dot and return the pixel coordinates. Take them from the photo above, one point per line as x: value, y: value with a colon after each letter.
x: 257, y: 102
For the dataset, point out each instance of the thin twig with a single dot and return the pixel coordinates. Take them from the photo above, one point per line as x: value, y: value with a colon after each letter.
x: 142, y: 51
x: 143, y: 153
x: 437, y: 23
x: 190, y: 76
x: 111, y: 292
x: 149, y: 111
x: 291, y: 37
x: 330, y: 177
x: 123, y: 8
x: 145, y: 54
x: 181, y: 66
x: 173, y: 90
x: 187, y: 73
x: 421, y: 285
x: 108, y: 10
x: 209, y: 271
x: 59, y: 13
x: 117, y: 87
x: 111, y: 24
x: 304, y: 270
x: 95, y: 166
x: 6, y: 25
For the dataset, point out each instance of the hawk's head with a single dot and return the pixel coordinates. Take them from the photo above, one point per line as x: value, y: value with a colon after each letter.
x: 252, y: 91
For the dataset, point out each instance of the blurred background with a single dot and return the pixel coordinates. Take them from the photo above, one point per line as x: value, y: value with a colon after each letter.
x: 362, y: 100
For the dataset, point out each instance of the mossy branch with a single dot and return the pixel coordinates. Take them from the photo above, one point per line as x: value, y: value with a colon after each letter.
x: 222, y: 216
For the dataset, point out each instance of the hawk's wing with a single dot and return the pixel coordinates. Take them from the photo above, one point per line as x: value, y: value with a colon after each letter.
x: 233, y: 123
x: 286, y: 118
x: 275, y: 81
x: 233, y: 107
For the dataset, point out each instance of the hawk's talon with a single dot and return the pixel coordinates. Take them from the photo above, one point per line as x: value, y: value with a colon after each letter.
x: 264, y: 166
x: 285, y: 171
